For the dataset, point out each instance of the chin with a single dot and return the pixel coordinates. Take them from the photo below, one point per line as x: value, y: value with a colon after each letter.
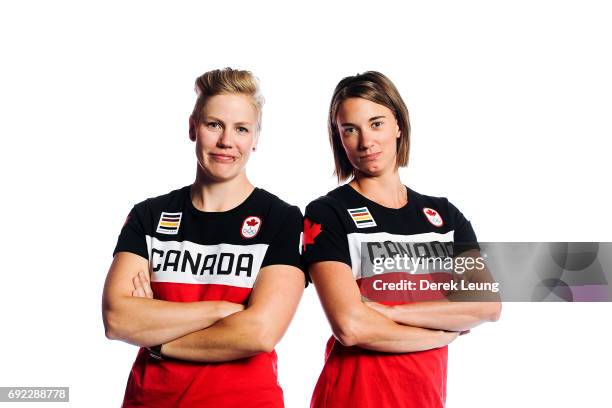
x: 371, y: 171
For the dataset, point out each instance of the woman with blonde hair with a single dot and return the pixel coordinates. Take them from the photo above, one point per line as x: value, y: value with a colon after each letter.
x: 389, y: 350
x: 205, y: 279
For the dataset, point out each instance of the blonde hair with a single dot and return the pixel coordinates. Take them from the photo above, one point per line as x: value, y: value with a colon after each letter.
x: 227, y: 81
x: 377, y: 88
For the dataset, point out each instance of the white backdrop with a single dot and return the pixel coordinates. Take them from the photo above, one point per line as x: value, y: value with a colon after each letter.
x: 509, y: 102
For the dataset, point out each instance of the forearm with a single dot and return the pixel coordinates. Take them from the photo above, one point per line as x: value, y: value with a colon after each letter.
x: 367, y: 329
x: 240, y: 335
x: 405, y: 339
x: 251, y: 331
x: 461, y: 310
x: 148, y: 322
x: 444, y: 314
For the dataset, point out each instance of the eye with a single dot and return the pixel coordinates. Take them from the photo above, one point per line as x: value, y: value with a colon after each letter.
x: 242, y: 129
x: 377, y: 124
x: 213, y: 125
x: 348, y: 130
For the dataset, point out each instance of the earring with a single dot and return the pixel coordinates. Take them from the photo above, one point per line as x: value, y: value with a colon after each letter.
x: 255, y: 148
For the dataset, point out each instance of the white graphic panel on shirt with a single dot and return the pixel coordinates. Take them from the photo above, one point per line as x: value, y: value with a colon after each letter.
x: 221, y: 264
x: 384, y: 243
x: 362, y: 217
x: 169, y: 223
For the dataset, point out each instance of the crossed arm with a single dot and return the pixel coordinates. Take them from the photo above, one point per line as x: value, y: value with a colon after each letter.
x: 460, y: 311
x: 398, y: 329
x: 209, y: 331
x: 355, y: 324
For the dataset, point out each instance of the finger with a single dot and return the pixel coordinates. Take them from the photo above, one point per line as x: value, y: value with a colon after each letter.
x: 143, y: 276
x: 136, y: 282
x: 146, y: 284
x: 143, y: 284
x: 138, y: 290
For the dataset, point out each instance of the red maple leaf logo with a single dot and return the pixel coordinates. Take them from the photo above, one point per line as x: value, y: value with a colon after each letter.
x: 252, y: 223
x: 311, y: 230
x: 431, y: 212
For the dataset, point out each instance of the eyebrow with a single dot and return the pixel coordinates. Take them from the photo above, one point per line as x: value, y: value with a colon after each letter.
x: 216, y: 119
x: 212, y: 118
x: 369, y: 120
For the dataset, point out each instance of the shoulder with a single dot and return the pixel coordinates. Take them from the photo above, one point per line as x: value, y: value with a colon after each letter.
x: 332, y: 204
x: 424, y: 199
x: 165, y: 202
x: 430, y: 205
x: 275, y: 206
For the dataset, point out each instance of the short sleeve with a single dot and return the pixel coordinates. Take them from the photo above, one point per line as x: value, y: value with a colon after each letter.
x: 133, y: 234
x: 324, y: 235
x: 285, y: 246
x: 464, y: 237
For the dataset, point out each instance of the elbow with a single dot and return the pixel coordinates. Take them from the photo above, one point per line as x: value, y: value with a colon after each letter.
x: 266, y: 345
x: 353, y: 327
x: 347, y: 332
x: 120, y: 325
x: 116, y: 326
x: 494, y: 311
x: 264, y: 339
x: 347, y: 340
x: 111, y: 319
x: 110, y: 334
x: 111, y: 330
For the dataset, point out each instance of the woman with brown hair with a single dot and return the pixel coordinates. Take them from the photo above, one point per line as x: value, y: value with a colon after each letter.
x: 392, y: 352
x: 205, y: 279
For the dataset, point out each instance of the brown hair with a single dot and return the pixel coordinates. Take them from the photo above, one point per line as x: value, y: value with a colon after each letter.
x: 227, y: 81
x: 377, y: 88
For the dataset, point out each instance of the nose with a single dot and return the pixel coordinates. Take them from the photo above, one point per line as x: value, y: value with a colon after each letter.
x: 366, y: 139
x: 225, y: 138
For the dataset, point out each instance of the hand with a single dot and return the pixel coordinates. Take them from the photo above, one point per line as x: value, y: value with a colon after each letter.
x: 142, y: 286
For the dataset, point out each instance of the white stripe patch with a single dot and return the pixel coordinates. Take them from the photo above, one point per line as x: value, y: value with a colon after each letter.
x: 362, y: 217
x: 189, y: 262
x: 355, y: 240
x: 169, y: 223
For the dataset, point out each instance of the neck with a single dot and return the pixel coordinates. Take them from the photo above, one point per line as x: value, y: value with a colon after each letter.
x: 387, y: 189
x: 218, y: 196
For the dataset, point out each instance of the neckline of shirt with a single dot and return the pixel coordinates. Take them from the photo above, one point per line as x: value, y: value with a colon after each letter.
x: 410, y: 196
x: 193, y: 209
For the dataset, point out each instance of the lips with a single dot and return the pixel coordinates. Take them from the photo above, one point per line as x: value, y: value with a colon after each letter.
x: 371, y: 156
x: 222, y: 158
